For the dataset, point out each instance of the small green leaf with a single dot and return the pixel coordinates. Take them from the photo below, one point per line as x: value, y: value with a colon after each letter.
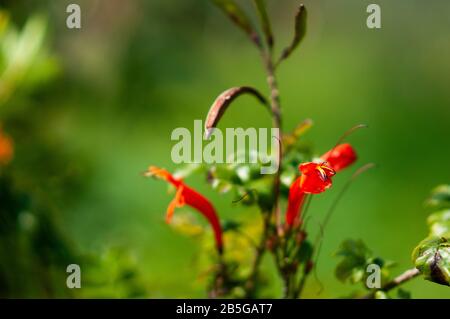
x: 238, y: 16
x: 265, y: 23
x: 403, y: 294
x: 439, y: 223
x: 381, y: 295
x: 300, y: 31
x: 440, y: 197
x: 262, y: 189
x: 290, y: 140
x: 250, y: 186
x: 187, y: 224
x: 222, y: 178
x: 353, y: 265
x: 305, y: 252
x: 354, y: 249
x: 230, y: 225
x: 432, y: 258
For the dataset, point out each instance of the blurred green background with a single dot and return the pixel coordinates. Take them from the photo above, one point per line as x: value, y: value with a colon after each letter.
x: 96, y: 106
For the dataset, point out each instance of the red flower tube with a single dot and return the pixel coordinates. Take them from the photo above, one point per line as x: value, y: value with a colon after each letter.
x: 316, y: 178
x: 187, y: 196
x: 295, y: 201
x: 340, y: 157
x: 6, y: 149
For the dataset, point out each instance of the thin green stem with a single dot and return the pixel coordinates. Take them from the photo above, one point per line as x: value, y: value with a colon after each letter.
x: 260, y: 249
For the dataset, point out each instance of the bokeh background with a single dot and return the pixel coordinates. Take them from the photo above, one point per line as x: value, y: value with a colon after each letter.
x: 90, y: 109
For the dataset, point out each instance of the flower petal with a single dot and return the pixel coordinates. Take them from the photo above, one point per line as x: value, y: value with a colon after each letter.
x: 340, y: 157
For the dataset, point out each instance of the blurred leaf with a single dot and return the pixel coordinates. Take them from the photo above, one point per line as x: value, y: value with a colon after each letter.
x: 439, y: 223
x: 432, y: 258
x: 250, y: 186
x: 265, y: 22
x: 238, y: 16
x: 353, y: 249
x: 287, y: 177
x: 440, y: 197
x: 403, y: 294
x: 305, y: 252
x: 300, y: 31
x: 113, y: 274
x: 300, y: 130
x: 222, y: 102
x: 186, y: 224
x: 24, y: 61
x: 230, y: 225
x: 381, y: 295
x: 262, y: 189
x: 243, y: 172
x: 4, y: 21
x: 222, y: 178
x: 353, y: 265
x: 296, y: 154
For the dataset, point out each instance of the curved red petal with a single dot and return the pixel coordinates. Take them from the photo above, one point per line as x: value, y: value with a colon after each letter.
x: 200, y: 203
x: 295, y: 202
x: 188, y: 196
x: 340, y: 157
x: 315, y: 178
x: 6, y: 149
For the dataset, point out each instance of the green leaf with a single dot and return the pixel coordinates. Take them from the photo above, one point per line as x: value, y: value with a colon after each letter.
x: 301, y: 129
x: 24, y: 60
x: 439, y: 223
x: 262, y: 189
x: 403, y: 294
x: 353, y: 265
x: 300, y: 31
x: 238, y: 16
x: 222, y: 178
x: 432, y: 258
x: 354, y: 249
x: 305, y: 252
x: 250, y: 185
x: 381, y: 295
x: 440, y: 197
x: 265, y: 23
x: 230, y: 225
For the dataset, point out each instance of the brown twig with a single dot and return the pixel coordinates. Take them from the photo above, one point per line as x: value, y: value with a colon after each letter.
x: 276, y: 123
x: 397, y: 281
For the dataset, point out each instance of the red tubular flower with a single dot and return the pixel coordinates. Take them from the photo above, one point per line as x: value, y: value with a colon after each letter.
x: 6, y: 149
x: 316, y: 178
x: 187, y: 196
x: 340, y: 157
x: 295, y: 201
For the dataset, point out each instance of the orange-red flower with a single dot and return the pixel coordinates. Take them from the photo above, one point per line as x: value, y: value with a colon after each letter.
x: 6, y: 149
x: 295, y: 201
x: 187, y: 196
x: 340, y: 157
x: 316, y: 178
